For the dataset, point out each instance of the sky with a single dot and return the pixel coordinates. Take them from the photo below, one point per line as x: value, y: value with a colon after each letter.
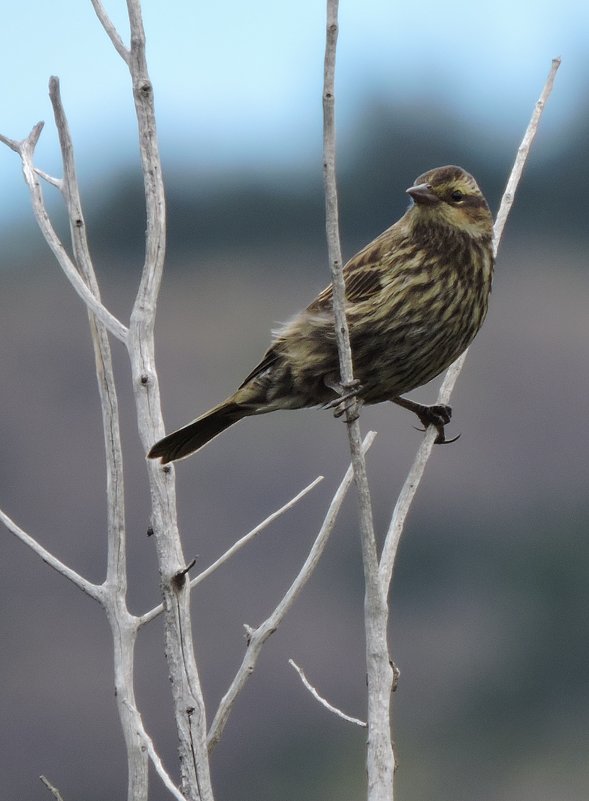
x: 238, y: 85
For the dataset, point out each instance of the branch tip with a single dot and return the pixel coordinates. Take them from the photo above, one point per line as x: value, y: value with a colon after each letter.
x: 53, y: 790
x: 322, y: 700
x: 33, y: 137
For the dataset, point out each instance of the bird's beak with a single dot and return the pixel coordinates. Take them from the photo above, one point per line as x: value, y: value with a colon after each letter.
x: 422, y: 194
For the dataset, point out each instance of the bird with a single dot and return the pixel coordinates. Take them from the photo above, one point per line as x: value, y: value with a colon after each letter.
x: 415, y: 298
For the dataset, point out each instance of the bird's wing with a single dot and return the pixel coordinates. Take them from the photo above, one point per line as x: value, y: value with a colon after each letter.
x: 270, y: 357
x: 363, y: 280
x: 363, y: 277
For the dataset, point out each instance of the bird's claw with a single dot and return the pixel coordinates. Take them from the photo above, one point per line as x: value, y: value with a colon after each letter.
x: 438, y: 416
x: 346, y: 392
x: 441, y: 438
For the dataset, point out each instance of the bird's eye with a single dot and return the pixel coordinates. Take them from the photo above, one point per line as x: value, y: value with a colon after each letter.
x: 457, y: 195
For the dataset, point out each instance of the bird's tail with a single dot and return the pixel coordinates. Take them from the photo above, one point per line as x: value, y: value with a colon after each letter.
x: 192, y: 437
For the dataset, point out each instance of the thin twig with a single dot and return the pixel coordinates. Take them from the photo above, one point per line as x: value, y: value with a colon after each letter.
x: 257, y: 637
x: 26, y: 151
x: 111, y: 31
x: 416, y: 472
x: 93, y: 590
x: 522, y: 155
x: 160, y: 770
x: 116, y: 561
x: 409, y: 489
x: 322, y: 700
x: 53, y: 790
x: 56, y: 182
x: 237, y: 546
x: 153, y: 755
x: 250, y: 535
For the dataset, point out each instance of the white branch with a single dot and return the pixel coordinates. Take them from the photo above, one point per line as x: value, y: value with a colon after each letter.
x: 237, y: 546
x: 411, y: 485
x: 522, y: 154
x: 93, y: 590
x: 116, y: 562
x: 322, y: 700
x: 26, y: 150
x: 379, y: 674
x: 188, y: 700
x: 251, y: 534
x: 339, y: 291
x: 53, y: 790
x: 413, y: 479
x: 160, y: 770
x: 153, y: 755
x: 56, y: 182
x: 111, y: 31
x: 257, y: 637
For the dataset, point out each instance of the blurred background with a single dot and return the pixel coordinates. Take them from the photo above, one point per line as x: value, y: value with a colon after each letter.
x: 488, y: 624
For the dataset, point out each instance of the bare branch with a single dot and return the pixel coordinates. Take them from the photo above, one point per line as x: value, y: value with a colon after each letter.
x: 409, y: 489
x: 123, y: 625
x: 257, y: 637
x: 250, y: 535
x: 237, y: 546
x: 56, y: 182
x: 29, y: 142
x: 415, y: 474
x: 339, y: 290
x: 111, y: 31
x: 160, y: 770
x: 53, y: 790
x: 26, y: 150
x: 322, y: 700
x: 189, y: 706
x: 153, y: 755
x: 522, y: 155
x: 380, y: 758
x: 116, y: 562
x: 93, y: 590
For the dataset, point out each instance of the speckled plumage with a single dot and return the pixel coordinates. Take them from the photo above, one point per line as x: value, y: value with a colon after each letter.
x: 416, y: 297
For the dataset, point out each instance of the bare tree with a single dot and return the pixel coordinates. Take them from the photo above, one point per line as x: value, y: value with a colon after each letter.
x: 195, y: 737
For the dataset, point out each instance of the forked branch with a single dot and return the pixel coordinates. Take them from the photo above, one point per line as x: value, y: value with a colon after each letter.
x: 26, y: 150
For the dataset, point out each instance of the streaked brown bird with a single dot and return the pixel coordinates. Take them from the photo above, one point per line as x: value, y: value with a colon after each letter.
x: 415, y: 299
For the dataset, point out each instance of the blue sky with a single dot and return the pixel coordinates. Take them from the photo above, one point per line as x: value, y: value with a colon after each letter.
x: 240, y: 83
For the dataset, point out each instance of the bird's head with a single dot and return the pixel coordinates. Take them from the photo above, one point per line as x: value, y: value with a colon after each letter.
x: 450, y: 195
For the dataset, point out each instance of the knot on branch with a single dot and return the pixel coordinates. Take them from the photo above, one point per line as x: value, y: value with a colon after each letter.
x: 179, y: 579
x: 249, y: 632
x: 144, y: 88
x: 396, y: 676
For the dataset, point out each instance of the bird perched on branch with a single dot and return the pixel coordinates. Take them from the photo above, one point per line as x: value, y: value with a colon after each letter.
x: 415, y: 299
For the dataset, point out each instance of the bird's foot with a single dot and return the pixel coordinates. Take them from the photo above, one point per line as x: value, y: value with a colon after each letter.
x: 347, y: 400
x: 439, y: 416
